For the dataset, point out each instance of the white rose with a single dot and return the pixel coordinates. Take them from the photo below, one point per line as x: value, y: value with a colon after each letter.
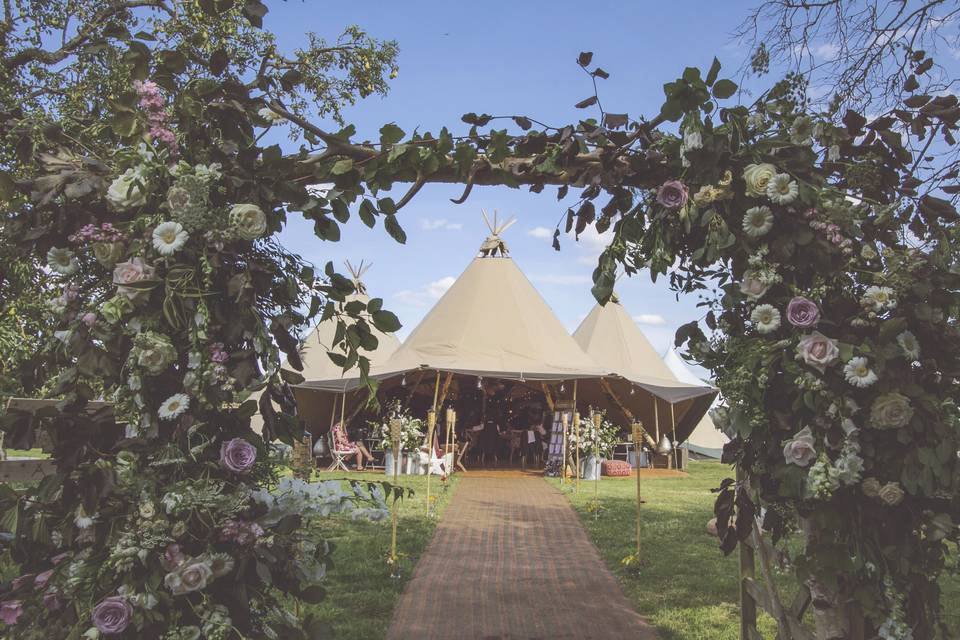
x: 757, y: 177
x: 818, y: 351
x: 128, y: 191
x: 248, y: 220
x: 891, y: 411
x: 891, y: 494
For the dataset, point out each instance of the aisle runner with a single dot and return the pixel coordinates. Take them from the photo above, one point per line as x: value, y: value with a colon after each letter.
x: 511, y: 561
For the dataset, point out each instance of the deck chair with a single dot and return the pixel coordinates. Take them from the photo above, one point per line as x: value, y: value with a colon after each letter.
x: 339, y: 455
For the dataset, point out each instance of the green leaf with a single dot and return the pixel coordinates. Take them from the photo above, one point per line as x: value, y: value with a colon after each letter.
x: 724, y: 89
x: 387, y: 206
x: 390, y: 134
x: 585, y: 58
x: 342, y: 166
x: 714, y: 71
x: 386, y: 321
x: 313, y: 594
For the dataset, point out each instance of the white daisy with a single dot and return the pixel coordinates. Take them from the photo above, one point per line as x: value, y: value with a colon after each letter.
x: 766, y: 318
x: 82, y: 520
x: 878, y: 298
x: 781, y: 189
x: 858, y: 372
x: 757, y: 221
x: 692, y: 140
x: 910, y: 345
x: 173, y: 406
x: 169, y: 237
x: 63, y: 261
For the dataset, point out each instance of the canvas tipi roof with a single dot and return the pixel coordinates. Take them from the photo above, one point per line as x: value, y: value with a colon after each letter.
x: 706, y: 438
x: 614, y: 340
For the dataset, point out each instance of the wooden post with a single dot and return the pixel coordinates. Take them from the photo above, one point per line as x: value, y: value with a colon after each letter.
x: 748, y: 606
x: 656, y: 430
x: 563, y: 466
x: 597, y: 421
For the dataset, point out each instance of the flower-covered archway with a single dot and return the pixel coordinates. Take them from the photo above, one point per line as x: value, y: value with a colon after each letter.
x: 829, y: 323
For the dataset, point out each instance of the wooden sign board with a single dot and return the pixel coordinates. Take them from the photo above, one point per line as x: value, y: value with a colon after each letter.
x: 555, y: 449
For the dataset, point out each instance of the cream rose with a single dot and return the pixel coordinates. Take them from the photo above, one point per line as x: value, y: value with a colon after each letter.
x: 818, y: 351
x: 248, y: 220
x: 870, y: 487
x: 108, y: 253
x: 753, y: 287
x: 128, y: 190
x: 799, y: 450
x: 891, y: 411
x: 891, y: 494
x: 757, y: 177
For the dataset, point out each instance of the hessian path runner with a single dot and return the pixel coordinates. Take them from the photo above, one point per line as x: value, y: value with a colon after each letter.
x: 511, y: 561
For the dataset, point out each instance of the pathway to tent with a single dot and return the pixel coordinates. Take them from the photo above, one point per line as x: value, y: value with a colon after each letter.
x: 511, y: 561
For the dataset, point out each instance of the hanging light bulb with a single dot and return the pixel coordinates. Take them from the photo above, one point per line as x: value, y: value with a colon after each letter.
x: 479, y: 382
x: 632, y: 390
x: 562, y: 388
x: 403, y: 380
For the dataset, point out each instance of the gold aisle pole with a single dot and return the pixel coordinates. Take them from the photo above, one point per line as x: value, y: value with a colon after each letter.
x: 597, y: 421
x: 395, y: 428
x: 637, y: 429
x: 563, y: 448
x: 431, y: 425
x: 451, y: 417
x: 576, y: 430
x: 576, y: 472
x: 673, y: 428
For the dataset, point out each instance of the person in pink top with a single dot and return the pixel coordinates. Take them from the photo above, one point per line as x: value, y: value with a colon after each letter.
x: 342, y: 444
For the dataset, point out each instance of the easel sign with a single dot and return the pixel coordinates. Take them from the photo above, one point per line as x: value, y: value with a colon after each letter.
x: 555, y: 448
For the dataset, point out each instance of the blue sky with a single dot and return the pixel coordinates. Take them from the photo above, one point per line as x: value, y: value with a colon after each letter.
x: 508, y: 58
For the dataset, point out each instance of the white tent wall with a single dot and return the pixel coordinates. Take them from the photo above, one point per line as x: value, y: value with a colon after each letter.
x: 706, y: 439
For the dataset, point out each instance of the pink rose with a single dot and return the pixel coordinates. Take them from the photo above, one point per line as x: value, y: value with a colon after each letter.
x: 803, y: 313
x: 752, y: 287
x: 799, y: 449
x: 672, y: 194
x: 818, y: 351
x: 131, y: 272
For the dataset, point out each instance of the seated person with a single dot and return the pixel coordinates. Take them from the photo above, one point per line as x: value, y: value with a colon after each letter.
x: 342, y: 444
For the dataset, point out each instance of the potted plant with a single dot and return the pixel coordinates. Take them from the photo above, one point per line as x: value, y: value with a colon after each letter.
x: 595, y: 445
x: 411, y: 436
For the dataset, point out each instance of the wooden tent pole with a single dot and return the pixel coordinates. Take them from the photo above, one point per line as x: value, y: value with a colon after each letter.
x: 656, y: 428
x: 576, y: 472
x: 673, y: 428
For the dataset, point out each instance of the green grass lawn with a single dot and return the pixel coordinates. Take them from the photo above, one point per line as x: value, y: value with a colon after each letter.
x: 27, y: 453
x: 686, y: 587
x: 360, y: 593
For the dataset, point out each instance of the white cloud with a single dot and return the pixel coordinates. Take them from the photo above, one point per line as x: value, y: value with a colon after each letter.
x: 592, y: 241
x: 827, y: 50
x: 554, y: 278
x: 434, y: 224
x: 590, y: 261
x: 540, y: 232
x: 650, y: 318
x: 427, y: 294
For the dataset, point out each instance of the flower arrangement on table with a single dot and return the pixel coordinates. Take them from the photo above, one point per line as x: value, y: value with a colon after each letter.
x: 412, y: 430
x: 593, y: 440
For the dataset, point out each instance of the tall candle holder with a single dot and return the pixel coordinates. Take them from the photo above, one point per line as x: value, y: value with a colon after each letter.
x: 637, y: 433
x: 396, y: 428
x: 563, y: 466
x: 576, y: 430
x: 597, y: 421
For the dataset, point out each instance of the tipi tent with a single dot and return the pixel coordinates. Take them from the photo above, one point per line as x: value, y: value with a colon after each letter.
x: 493, y: 324
x: 317, y: 365
x: 706, y: 439
x: 614, y: 340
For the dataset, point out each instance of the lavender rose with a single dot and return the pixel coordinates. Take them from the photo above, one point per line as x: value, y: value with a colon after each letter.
x: 112, y: 615
x: 672, y: 194
x: 131, y: 272
x: 237, y: 455
x: 803, y: 313
x: 818, y: 351
x: 799, y: 450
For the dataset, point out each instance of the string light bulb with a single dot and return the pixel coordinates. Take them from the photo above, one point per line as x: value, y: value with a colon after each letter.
x: 403, y: 380
x: 480, y: 382
x: 632, y: 390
